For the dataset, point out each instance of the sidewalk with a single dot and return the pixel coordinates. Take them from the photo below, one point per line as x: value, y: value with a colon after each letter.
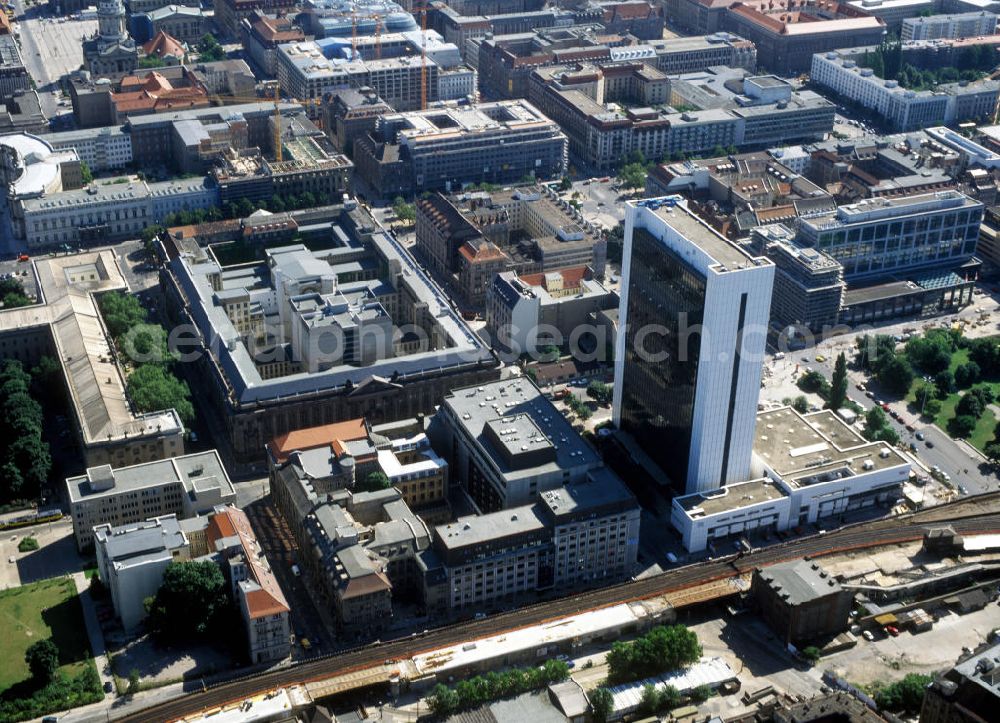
x: 94, y: 630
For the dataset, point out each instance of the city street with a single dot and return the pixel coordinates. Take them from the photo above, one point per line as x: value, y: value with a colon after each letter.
x: 958, y: 460
x: 51, y: 49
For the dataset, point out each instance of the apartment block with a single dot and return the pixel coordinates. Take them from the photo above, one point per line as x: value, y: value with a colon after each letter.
x: 905, y: 110
x: 13, y: 74
x: 102, y: 149
x: 262, y: 34
x: 184, y: 486
x: 961, y: 25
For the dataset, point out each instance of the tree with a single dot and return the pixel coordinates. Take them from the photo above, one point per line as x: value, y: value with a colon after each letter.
x: 443, y: 700
x: 814, y: 381
x: 649, y: 703
x: 872, y: 349
x: 800, y: 404
x: 565, y: 184
x: 992, y: 452
x: 209, y: 49
x: 969, y: 405
x: 811, y: 654
x: 905, y: 695
x: 633, y: 175
x: 945, y: 383
x: 931, y: 352
x: 42, y: 658
x: 12, y: 293
x: 375, y: 481
x: 896, y: 376
x: 602, y: 704
x: 120, y: 312
x: 875, y: 421
x: 701, y: 693
x: 404, y: 211
x: 967, y: 374
x: 152, y: 388
x: 133, y: 682
x: 932, y: 408
x: 962, y: 426
x: 191, y: 603
x: 838, y: 385
x: 85, y: 174
x: 664, y: 647
x: 600, y: 392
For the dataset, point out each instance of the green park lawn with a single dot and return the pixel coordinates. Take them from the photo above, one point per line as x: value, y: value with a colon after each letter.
x: 46, y: 609
x: 983, y: 434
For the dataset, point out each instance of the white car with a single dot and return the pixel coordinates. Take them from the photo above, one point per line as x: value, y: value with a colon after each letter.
x: 868, y: 635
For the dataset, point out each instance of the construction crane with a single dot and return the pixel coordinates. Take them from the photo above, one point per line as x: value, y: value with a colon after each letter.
x: 354, y: 34
x: 276, y: 99
x: 378, y: 36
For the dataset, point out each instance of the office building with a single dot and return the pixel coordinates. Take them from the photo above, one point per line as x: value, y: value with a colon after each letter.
x: 105, y: 212
x: 805, y: 468
x: 230, y: 13
x: 469, y: 237
x: 111, y: 52
x: 967, y: 693
x: 687, y: 393
x: 506, y: 444
x: 578, y: 535
x: 335, y: 18
x: 737, y: 109
x: 808, y: 284
x: 528, y: 312
x: 262, y: 34
x: 313, y: 69
x: 895, y: 12
x: 897, y: 235
x: 352, y: 113
x: 132, y: 558
x: 801, y: 602
x: 252, y: 363
x: 905, y: 110
x: 22, y: 113
x: 67, y: 327
x: 13, y: 75
x: 184, y: 486
x: 934, y: 27
x: 787, y: 39
x: 186, y: 24
x: 448, y: 148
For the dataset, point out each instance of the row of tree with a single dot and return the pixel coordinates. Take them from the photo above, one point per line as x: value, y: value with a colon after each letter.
x: 25, y: 461
x: 52, y: 689
x: 466, y: 694
x: 663, y: 648
x: 152, y: 384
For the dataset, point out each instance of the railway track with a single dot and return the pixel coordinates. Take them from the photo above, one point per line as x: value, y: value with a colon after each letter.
x: 969, y: 516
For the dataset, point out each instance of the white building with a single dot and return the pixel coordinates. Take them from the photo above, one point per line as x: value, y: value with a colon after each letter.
x: 131, y: 560
x: 974, y: 153
x: 102, y: 149
x: 183, y: 486
x: 106, y: 211
x: 694, y: 313
x: 962, y: 25
x: 904, y: 109
x: 807, y: 468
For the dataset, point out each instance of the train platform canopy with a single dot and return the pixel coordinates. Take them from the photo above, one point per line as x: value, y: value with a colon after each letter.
x: 537, y: 642
x: 712, y: 672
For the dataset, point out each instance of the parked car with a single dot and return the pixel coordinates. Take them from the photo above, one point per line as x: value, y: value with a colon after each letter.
x: 892, y: 630
x: 868, y: 635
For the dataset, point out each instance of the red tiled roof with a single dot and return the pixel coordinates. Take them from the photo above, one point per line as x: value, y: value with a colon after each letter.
x: 571, y: 277
x: 161, y: 45
x: 269, y: 600
x: 322, y: 436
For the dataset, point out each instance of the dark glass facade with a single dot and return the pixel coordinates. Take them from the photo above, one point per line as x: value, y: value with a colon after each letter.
x: 666, y: 304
